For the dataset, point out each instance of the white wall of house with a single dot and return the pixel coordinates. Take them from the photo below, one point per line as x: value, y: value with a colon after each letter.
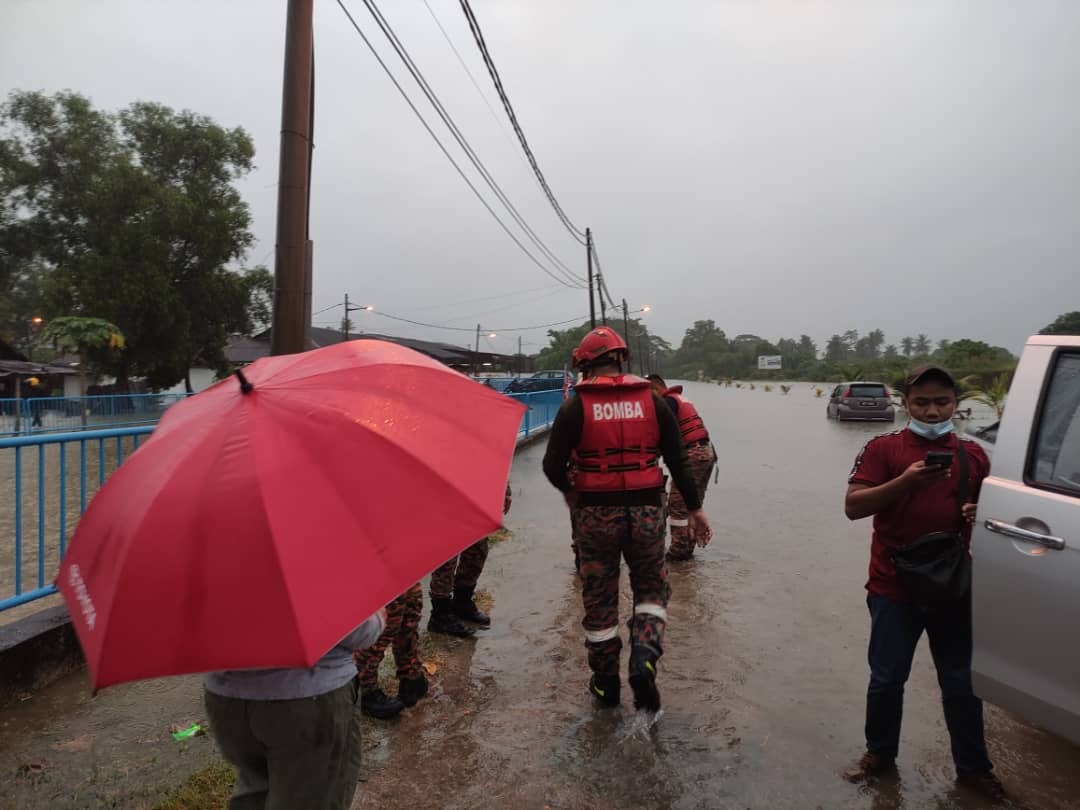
x: 71, y: 385
x: 201, y: 378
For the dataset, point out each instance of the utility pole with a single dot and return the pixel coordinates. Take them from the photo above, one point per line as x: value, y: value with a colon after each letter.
x: 521, y: 357
x: 292, y: 250
x: 345, y: 322
x: 600, y: 290
x: 641, y: 354
x: 625, y: 323
x: 476, y: 353
x: 588, y: 258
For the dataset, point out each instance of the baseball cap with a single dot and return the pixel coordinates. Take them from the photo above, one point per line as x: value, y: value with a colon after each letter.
x: 920, y: 373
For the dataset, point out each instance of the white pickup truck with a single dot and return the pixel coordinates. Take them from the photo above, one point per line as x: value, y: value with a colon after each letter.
x: 1026, y: 546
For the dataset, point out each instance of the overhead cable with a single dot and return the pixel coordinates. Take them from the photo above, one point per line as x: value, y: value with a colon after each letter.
x: 445, y: 152
x: 478, y: 35
x: 477, y: 163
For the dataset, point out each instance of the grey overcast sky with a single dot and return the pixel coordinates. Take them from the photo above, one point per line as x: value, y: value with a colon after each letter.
x: 779, y: 167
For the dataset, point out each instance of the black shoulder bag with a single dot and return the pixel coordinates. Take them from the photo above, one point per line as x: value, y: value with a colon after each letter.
x: 936, y: 568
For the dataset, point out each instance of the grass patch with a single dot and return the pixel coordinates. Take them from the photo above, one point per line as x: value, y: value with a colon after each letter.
x: 500, y: 536
x: 208, y: 789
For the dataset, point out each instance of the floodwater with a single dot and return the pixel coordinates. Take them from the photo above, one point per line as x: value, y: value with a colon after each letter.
x: 764, y: 676
x: 763, y: 680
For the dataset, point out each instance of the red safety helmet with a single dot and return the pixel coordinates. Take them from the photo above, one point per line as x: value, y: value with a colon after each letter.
x: 600, y: 341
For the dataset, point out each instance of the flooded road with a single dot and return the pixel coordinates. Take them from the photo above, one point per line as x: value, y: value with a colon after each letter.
x: 764, y: 676
x: 763, y: 680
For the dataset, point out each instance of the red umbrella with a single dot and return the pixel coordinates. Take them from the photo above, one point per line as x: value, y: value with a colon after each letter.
x: 257, y: 527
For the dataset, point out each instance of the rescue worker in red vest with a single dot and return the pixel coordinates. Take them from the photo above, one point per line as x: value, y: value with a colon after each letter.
x: 604, y: 455
x: 702, y: 459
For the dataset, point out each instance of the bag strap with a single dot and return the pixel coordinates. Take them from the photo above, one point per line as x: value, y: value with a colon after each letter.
x: 963, y: 483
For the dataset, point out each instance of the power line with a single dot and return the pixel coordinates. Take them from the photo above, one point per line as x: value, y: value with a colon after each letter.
x: 465, y: 67
x: 474, y: 26
x: 472, y: 329
x: 443, y: 305
x: 439, y: 143
x: 470, y: 153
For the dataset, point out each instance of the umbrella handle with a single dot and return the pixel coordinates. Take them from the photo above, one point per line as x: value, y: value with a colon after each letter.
x: 245, y: 386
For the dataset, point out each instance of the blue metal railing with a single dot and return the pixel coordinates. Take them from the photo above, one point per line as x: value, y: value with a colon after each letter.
x: 52, y: 496
x: 35, y: 415
x: 53, y: 481
x: 542, y: 407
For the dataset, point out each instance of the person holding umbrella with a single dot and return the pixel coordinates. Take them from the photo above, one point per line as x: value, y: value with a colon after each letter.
x: 243, y: 539
x: 603, y: 454
x: 293, y: 734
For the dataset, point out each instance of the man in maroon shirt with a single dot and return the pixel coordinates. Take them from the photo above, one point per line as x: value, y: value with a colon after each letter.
x: 909, y: 498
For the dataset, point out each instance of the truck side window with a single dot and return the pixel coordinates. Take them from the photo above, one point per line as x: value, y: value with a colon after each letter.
x: 1056, y: 461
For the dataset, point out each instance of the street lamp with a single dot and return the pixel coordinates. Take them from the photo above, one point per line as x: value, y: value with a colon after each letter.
x: 350, y: 308
x: 37, y: 321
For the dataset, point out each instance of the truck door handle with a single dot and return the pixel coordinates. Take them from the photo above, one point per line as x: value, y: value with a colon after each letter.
x: 1007, y: 529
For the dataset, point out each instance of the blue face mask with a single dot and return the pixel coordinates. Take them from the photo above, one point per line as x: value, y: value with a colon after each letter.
x: 930, y: 430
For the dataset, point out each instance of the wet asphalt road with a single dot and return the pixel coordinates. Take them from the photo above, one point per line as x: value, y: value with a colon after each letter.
x: 764, y: 675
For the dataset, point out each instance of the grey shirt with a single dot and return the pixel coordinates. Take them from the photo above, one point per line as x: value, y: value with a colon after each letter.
x: 332, y: 671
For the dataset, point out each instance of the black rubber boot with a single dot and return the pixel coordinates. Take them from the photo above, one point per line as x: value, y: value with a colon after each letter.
x: 444, y: 620
x: 380, y: 705
x: 410, y: 690
x: 605, y: 688
x: 465, y: 608
x: 643, y: 679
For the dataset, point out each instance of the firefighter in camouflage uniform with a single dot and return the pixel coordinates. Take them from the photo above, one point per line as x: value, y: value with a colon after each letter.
x: 604, y: 455
x: 701, y: 458
x: 402, y: 632
x: 453, y: 586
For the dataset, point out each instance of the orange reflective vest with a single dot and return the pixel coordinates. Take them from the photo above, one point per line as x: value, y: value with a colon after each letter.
x: 620, y: 437
x: 691, y: 424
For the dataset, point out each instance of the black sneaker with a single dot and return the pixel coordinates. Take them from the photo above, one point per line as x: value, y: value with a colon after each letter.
x: 444, y: 620
x: 410, y: 690
x: 380, y: 705
x: 643, y: 680
x: 465, y: 607
x: 605, y: 688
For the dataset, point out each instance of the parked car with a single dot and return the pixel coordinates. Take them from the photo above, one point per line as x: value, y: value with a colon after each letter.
x: 861, y: 400
x: 1026, y: 545
x: 540, y: 381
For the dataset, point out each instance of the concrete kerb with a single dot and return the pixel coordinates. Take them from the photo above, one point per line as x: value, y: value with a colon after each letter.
x: 39, y: 649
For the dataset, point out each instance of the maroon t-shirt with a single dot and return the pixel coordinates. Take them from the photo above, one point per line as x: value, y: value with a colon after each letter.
x: 931, y: 509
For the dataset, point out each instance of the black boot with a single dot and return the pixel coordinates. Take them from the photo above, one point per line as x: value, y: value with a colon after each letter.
x: 605, y: 688
x: 465, y: 608
x: 643, y: 679
x: 380, y: 705
x: 410, y: 690
x: 443, y: 620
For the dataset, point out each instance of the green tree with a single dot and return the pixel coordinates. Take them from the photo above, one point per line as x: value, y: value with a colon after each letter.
x: 836, y: 350
x: 992, y: 395
x: 559, y: 350
x: 91, y: 338
x: 891, y: 353
x: 1067, y: 324
x: 133, y: 217
x: 922, y: 345
x: 907, y: 345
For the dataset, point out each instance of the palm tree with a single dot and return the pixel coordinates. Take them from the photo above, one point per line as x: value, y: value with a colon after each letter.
x: 992, y: 395
x: 83, y: 336
x: 922, y: 345
x: 908, y: 346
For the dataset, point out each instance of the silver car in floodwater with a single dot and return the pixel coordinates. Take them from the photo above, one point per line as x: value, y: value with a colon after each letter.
x: 1026, y: 545
x: 861, y: 400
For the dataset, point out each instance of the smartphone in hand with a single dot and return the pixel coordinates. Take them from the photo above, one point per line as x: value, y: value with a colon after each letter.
x: 939, y: 458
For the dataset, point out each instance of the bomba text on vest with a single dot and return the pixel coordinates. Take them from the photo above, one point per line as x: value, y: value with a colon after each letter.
x: 617, y: 410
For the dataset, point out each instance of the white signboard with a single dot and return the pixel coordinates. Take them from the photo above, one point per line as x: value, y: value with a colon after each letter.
x: 769, y: 362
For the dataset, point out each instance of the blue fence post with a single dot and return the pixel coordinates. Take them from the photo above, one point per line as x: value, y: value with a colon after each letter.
x: 63, y: 498
x: 18, y: 521
x: 41, y: 515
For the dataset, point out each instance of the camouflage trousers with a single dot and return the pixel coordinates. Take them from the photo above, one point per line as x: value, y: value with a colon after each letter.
x: 702, y: 459
x: 462, y: 571
x: 605, y: 535
x: 403, y: 633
